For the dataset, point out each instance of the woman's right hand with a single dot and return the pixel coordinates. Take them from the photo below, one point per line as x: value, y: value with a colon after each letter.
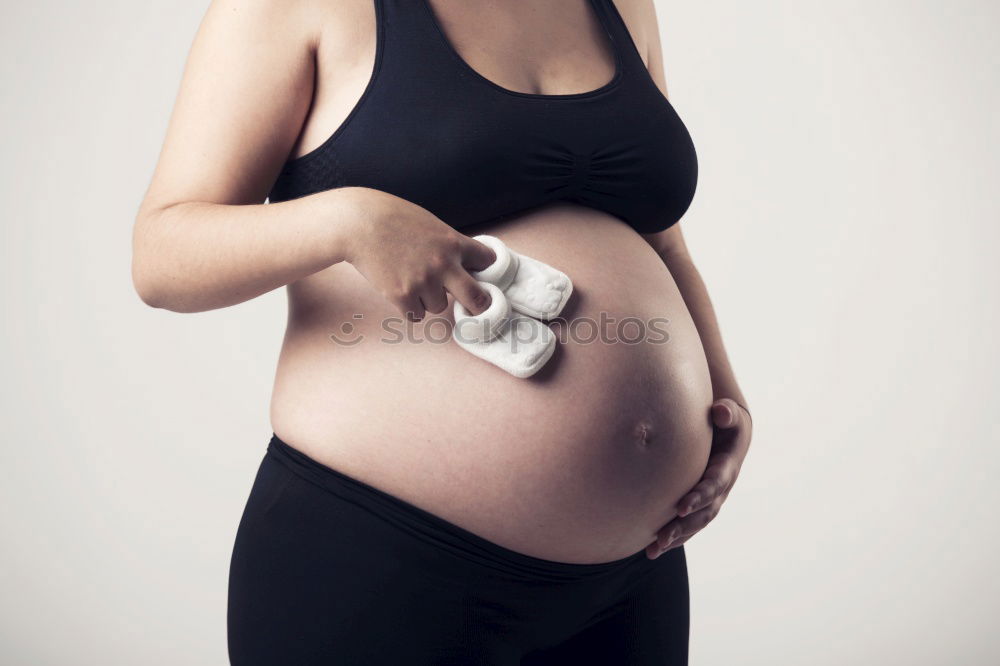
x: 414, y: 259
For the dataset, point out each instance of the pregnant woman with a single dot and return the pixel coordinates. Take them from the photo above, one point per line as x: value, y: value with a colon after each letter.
x: 417, y: 505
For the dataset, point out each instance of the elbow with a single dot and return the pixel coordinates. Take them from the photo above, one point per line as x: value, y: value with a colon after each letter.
x: 157, y: 289
x: 146, y: 287
x: 156, y: 278
x: 153, y: 291
x: 144, y: 275
x: 148, y: 294
x: 144, y: 278
x: 149, y: 280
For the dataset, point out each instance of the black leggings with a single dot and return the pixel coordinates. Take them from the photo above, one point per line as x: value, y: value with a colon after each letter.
x: 329, y: 570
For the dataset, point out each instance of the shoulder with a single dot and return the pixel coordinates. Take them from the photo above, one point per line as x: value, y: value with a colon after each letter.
x: 272, y: 21
x: 641, y: 20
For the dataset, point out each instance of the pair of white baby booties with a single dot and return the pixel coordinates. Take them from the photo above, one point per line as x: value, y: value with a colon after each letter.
x: 511, y: 333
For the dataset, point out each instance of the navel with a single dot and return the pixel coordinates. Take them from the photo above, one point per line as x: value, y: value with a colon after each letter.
x: 644, y: 434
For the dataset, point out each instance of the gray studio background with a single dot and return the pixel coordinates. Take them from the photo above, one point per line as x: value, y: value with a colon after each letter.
x: 846, y: 223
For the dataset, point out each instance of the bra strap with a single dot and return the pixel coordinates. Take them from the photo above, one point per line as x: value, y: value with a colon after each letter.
x: 615, y: 24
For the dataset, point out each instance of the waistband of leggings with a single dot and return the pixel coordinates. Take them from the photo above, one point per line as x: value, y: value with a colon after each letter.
x: 427, y: 525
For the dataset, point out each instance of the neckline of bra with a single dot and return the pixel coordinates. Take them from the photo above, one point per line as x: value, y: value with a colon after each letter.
x: 619, y: 74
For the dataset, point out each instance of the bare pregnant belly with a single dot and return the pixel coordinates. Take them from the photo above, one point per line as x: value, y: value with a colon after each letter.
x: 581, y: 463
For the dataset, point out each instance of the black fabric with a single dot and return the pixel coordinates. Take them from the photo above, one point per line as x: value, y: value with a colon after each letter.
x: 329, y: 570
x: 430, y: 129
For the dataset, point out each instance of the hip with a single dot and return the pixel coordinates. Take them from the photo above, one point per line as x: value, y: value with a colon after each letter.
x: 328, y: 565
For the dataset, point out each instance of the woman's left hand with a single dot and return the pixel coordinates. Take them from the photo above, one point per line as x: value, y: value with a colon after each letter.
x: 730, y: 442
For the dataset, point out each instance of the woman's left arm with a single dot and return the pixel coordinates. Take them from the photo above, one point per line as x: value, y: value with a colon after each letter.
x: 729, y: 410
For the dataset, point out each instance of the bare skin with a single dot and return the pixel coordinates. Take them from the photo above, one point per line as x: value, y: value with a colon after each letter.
x: 588, y: 461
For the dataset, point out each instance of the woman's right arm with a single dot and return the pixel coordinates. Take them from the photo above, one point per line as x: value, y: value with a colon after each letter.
x: 194, y: 256
x: 203, y: 239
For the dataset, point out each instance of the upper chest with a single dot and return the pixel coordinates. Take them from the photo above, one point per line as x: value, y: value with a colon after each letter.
x: 553, y: 48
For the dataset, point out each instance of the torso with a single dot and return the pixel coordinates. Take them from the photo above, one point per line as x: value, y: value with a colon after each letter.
x: 581, y: 463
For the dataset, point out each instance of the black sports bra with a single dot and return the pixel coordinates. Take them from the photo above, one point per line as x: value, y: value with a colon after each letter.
x: 430, y: 129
